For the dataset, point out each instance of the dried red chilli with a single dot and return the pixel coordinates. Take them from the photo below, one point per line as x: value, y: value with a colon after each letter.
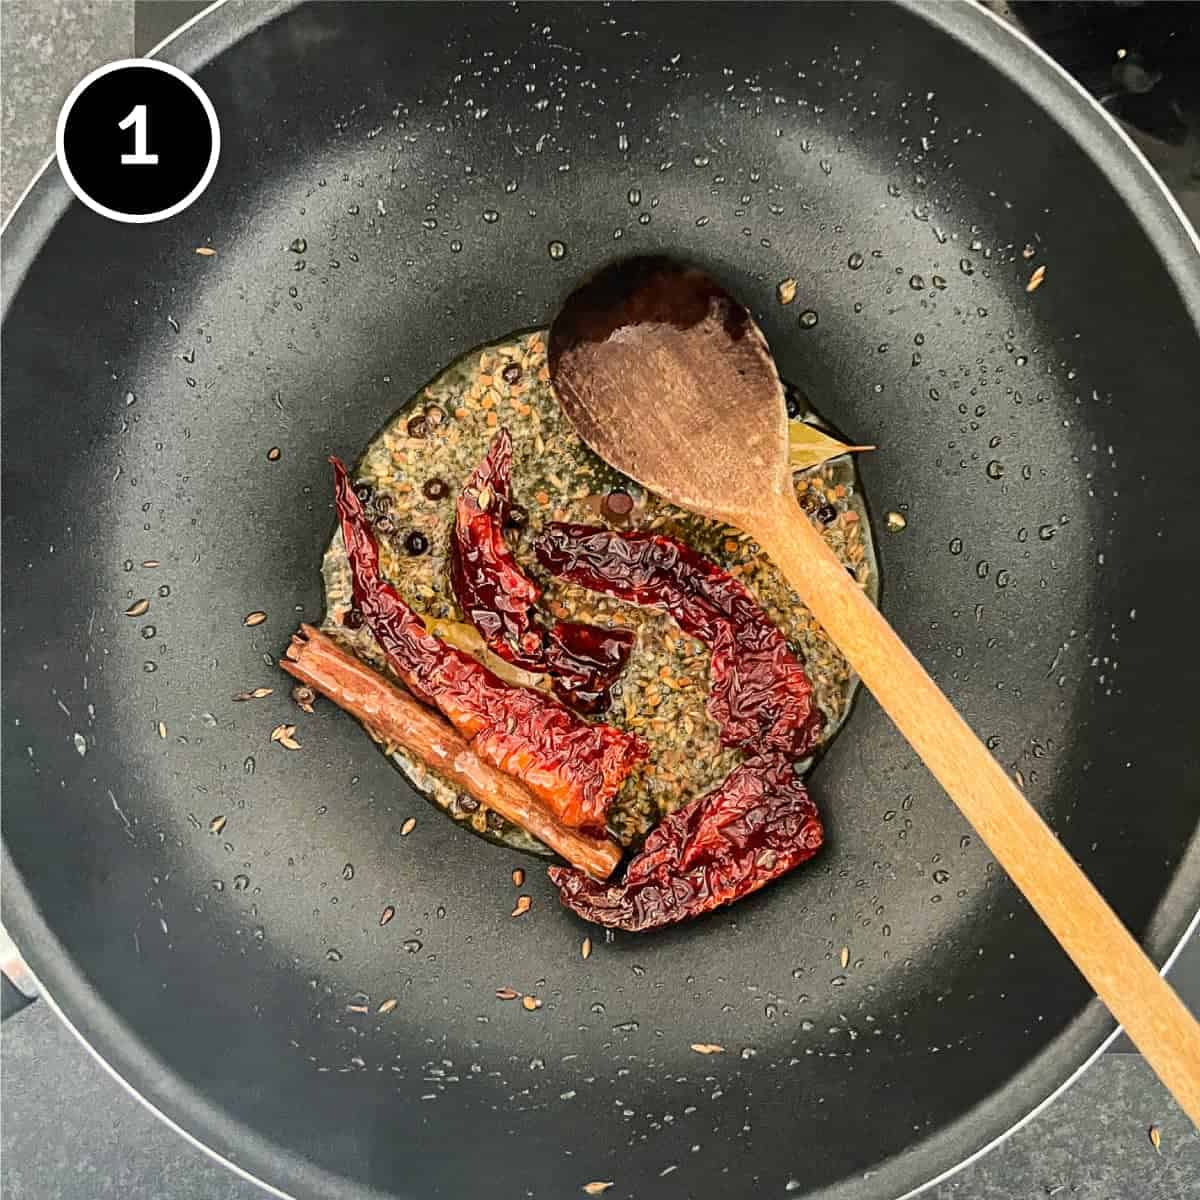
x: 756, y: 825
x: 761, y: 696
x: 497, y: 597
x: 575, y: 767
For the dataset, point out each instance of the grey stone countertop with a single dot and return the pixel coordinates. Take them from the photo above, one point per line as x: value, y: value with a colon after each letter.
x: 71, y: 1133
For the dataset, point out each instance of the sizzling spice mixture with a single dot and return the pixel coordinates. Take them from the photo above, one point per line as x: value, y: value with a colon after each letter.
x: 409, y: 479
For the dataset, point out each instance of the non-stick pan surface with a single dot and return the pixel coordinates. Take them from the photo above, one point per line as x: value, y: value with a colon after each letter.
x: 1041, y: 446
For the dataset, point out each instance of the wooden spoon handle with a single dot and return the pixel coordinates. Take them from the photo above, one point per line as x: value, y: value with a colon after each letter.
x: 1091, y: 933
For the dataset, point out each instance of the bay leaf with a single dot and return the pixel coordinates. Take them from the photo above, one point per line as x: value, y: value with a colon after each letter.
x: 467, y: 638
x: 809, y: 446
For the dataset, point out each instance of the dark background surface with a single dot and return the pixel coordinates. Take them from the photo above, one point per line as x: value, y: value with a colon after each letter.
x: 70, y: 1131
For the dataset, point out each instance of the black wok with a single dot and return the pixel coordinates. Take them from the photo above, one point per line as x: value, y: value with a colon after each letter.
x: 1041, y: 446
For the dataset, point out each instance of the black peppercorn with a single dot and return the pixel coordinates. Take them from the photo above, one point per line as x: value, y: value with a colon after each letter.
x: 364, y: 492
x: 827, y: 514
x: 418, y: 427
x: 618, y: 504
x: 352, y: 618
x: 434, y: 416
x: 383, y: 502
x: 465, y: 803
x: 517, y: 517
x: 435, y: 489
x: 385, y: 524
x: 416, y: 542
x: 511, y: 373
x: 495, y: 821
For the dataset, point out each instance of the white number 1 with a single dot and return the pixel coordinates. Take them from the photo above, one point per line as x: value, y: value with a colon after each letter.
x: 139, y: 157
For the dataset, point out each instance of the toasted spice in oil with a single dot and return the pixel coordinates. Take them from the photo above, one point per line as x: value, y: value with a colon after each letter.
x: 555, y: 477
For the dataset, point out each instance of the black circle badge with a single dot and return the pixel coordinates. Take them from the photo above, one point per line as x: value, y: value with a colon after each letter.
x: 138, y: 140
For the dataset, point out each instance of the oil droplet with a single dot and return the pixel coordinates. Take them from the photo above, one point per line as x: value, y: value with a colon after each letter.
x: 455, y: 246
x: 956, y: 545
x: 941, y: 876
x: 248, y: 765
x: 644, y: 218
x: 896, y: 522
x: 1046, y: 532
x: 808, y: 319
x: 916, y: 282
x: 148, y: 631
x: 557, y: 250
x: 855, y: 261
x: 164, y: 591
x: 1002, y: 579
x: 298, y: 246
x: 149, y: 667
x: 983, y: 568
x: 333, y: 954
x: 995, y: 469
x: 412, y: 945
x: 491, y: 216
x: 218, y: 885
x: 635, y: 196
x: 964, y: 265
x: 348, y: 872
x: 939, y: 283
x: 130, y: 399
x: 241, y: 883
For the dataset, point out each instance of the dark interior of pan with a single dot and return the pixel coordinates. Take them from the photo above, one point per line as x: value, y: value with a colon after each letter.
x: 1040, y: 444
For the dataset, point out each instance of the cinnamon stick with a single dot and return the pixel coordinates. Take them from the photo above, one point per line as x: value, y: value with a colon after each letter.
x: 317, y: 660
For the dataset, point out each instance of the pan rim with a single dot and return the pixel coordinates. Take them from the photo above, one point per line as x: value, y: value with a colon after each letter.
x: 1090, y: 1032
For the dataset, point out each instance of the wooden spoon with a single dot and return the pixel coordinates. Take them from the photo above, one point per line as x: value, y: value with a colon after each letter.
x: 668, y: 378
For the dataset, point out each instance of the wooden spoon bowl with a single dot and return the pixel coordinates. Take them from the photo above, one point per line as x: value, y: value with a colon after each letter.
x: 663, y: 373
